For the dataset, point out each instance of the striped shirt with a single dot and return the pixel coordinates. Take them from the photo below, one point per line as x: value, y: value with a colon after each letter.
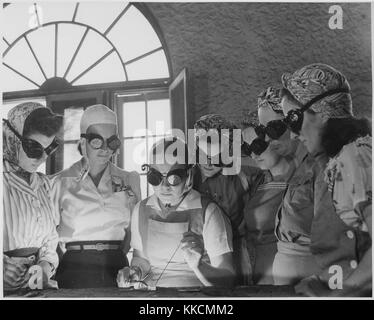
x: 30, y: 217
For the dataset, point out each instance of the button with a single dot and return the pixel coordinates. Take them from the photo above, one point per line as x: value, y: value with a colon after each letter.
x: 353, y: 264
x: 350, y: 234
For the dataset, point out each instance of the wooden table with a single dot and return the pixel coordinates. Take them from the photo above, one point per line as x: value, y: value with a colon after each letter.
x: 205, y: 292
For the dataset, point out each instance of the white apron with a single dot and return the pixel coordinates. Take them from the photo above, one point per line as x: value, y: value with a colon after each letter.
x: 162, y: 246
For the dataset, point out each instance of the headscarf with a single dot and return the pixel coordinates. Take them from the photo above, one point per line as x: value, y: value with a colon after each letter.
x: 315, y: 79
x: 11, y: 143
x: 270, y: 97
x: 215, y: 122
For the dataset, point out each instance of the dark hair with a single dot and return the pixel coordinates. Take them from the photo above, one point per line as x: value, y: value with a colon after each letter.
x: 80, y: 149
x: 43, y: 121
x: 341, y: 131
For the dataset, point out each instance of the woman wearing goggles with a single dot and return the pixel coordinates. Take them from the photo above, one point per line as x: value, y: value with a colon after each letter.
x: 96, y: 200
x: 29, y: 136
x: 261, y: 205
x: 319, y: 107
x: 173, y: 177
x: 32, y: 148
x: 171, y: 246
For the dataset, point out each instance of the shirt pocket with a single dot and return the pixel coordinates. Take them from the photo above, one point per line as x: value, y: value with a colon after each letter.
x: 301, y: 191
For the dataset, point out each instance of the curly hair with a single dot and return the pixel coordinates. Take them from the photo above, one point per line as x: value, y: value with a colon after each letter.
x: 341, y: 131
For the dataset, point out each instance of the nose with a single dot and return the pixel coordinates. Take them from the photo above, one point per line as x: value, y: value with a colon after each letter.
x: 165, y: 183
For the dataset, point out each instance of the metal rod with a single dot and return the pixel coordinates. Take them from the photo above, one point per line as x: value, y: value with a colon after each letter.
x: 75, y: 53
x: 19, y: 73
x: 142, y: 56
x: 92, y: 66
x: 75, y: 12
x: 35, y: 57
x: 117, y: 19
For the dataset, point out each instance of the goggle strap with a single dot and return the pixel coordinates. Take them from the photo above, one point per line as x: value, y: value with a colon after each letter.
x: 321, y: 96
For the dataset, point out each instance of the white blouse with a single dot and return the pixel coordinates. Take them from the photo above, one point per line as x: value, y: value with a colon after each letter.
x: 91, y: 213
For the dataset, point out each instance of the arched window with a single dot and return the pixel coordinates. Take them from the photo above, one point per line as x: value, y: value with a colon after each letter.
x: 72, y: 55
x: 62, y: 45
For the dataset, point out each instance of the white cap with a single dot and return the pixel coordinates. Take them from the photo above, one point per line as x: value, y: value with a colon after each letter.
x: 97, y: 114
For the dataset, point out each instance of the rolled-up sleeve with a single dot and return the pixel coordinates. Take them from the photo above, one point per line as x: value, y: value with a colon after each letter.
x: 217, y: 232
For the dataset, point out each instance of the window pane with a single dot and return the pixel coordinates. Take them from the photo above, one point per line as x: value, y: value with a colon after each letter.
x: 159, y: 116
x: 99, y: 15
x: 21, y: 59
x: 3, y: 46
x: 69, y: 36
x: 151, y: 67
x: 24, y: 13
x: 134, y: 119
x: 133, y: 35
x: 14, y: 81
x: 108, y: 70
x: 71, y: 154
x: 134, y: 154
x: 56, y: 11
x: 42, y: 42
x: 93, y: 48
x: 72, y: 118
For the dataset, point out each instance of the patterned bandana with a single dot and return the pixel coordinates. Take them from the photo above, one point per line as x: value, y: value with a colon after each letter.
x: 315, y: 79
x: 270, y: 98
x: 11, y: 144
x: 215, y: 122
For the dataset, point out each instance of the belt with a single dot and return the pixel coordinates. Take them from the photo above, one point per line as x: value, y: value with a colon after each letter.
x: 96, y: 246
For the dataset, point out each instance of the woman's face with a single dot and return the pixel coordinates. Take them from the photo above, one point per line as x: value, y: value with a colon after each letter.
x: 272, y: 155
x: 311, y: 130
x: 166, y: 193
x: 31, y: 164
x: 100, y: 156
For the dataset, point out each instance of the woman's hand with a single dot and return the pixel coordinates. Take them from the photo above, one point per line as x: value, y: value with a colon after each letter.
x: 15, y: 275
x: 193, y: 248
x: 312, y: 287
x: 127, y: 276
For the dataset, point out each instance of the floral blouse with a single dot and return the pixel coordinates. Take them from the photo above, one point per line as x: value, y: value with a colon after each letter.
x: 349, y: 178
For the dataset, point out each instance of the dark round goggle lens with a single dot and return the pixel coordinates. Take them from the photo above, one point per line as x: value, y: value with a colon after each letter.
x: 260, y: 131
x: 35, y: 150
x: 97, y: 142
x: 258, y: 146
x: 32, y: 149
x: 114, y: 143
x: 294, y: 120
x: 173, y: 178
x: 275, y: 129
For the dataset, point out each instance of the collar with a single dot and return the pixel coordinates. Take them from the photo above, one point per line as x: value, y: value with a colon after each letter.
x: 191, y: 201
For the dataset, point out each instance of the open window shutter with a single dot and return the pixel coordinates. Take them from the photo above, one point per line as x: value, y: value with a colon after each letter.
x: 180, y: 115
